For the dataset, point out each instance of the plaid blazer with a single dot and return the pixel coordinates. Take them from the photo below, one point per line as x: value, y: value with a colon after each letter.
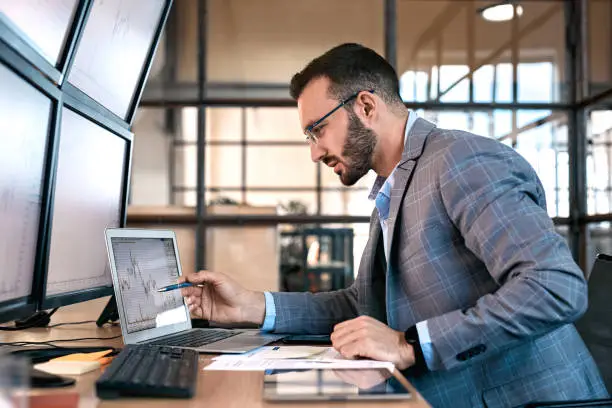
x: 475, y: 254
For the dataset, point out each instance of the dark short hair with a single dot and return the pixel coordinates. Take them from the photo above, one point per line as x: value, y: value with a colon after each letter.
x: 350, y: 68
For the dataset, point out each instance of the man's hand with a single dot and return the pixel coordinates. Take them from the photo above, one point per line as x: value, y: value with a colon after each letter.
x: 222, y: 299
x: 367, y: 337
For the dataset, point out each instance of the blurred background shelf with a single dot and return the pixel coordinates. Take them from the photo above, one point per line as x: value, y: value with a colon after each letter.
x: 316, y: 259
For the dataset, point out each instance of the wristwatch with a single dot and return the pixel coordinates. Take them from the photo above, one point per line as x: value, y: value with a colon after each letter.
x: 420, y: 366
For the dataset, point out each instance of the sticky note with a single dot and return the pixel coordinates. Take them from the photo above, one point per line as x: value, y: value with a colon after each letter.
x: 83, y: 356
x: 68, y: 367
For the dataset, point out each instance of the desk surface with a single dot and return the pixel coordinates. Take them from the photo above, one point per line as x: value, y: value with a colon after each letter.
x: 214, y: 388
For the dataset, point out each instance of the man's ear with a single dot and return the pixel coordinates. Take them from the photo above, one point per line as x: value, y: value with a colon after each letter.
x: 367, y: 103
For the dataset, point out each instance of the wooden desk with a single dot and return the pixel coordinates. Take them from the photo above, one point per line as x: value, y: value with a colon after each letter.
x: 214, y: 388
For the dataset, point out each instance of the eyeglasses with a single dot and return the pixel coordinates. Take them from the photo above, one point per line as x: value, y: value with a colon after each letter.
x: 312, y: 130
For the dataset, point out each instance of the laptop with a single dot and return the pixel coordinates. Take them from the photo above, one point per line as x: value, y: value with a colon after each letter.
x: 141, y: 261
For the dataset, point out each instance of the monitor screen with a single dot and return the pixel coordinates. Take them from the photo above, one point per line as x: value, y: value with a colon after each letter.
x: 88, y: 197
x: 45, y: 23
x: 113, y: 49
x: 24, y: 127
x: 144, y: 265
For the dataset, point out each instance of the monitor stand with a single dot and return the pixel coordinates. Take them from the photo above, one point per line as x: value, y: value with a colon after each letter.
x: 38, y: 319
x: 41, y: 379
x: 110, y: 314
x: 42, y: 318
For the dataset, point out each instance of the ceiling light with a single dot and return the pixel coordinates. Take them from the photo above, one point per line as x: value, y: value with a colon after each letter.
x: 501, y: 11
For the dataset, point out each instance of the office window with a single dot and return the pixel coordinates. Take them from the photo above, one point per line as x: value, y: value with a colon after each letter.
x: 254, y: 156
x: 447, y: 39
x: 350, y: 201
x: 274, y: 124
x: 545, y: 148
x: 282, y: 199
x: 280, y: 166
x: 538, y: 135
x: 599, y: 163
x: 454, y: 89
x: 492, y: 83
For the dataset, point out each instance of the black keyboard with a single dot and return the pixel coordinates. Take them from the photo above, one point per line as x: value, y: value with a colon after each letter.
x: 143, y: 370
x: 196, y: 338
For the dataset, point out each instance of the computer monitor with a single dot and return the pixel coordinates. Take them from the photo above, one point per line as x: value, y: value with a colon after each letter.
x: 26, y: 122
x: 89, y: 195
x: 114, y: 53
x: 40, y: 30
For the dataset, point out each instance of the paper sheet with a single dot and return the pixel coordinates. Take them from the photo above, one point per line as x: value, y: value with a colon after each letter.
x: 291, y: 357
x: 286, y: 352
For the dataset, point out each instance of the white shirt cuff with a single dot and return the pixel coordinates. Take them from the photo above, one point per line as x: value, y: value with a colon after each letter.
x: 426, y: 345
x: 270, y: 316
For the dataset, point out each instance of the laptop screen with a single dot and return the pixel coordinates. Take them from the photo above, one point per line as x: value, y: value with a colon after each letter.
x: 143, y: 265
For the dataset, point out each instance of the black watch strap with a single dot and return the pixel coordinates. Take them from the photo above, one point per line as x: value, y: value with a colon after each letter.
x: 412, y: 337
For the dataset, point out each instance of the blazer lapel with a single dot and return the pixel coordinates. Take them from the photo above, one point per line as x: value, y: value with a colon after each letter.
x: 413, y: 149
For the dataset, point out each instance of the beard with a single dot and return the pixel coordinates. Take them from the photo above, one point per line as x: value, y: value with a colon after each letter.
x: 358, y: 150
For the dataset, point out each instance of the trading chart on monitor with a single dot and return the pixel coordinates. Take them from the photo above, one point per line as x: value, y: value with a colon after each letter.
x: 88, y: 199
x: 44, y: 22
x: 144, y: 265
x: 24, y: 122
x: 113, y: 50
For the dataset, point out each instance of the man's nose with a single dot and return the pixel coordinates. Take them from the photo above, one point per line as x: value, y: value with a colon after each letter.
x: 317, y: 153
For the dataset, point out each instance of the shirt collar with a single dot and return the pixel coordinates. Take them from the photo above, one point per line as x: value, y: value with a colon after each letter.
x: 380, y: 180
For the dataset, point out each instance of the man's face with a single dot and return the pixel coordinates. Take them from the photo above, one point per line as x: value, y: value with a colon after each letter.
x: 343, y: 142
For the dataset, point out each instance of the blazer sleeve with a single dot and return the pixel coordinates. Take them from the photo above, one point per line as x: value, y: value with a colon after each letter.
x: 308, y: 313
x: 496, y: 201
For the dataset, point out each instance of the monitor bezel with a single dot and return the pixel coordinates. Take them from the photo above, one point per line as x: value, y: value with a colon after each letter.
x: 21, y: 56
x: 85, y: 99
x: 29, y: 51
x: 21, y: 307
x: 116, y: 128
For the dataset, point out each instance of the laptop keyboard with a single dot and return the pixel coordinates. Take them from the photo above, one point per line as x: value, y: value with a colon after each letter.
x: 196, y: 338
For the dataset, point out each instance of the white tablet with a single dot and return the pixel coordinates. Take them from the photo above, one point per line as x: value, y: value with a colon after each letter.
x: 336, y: 385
